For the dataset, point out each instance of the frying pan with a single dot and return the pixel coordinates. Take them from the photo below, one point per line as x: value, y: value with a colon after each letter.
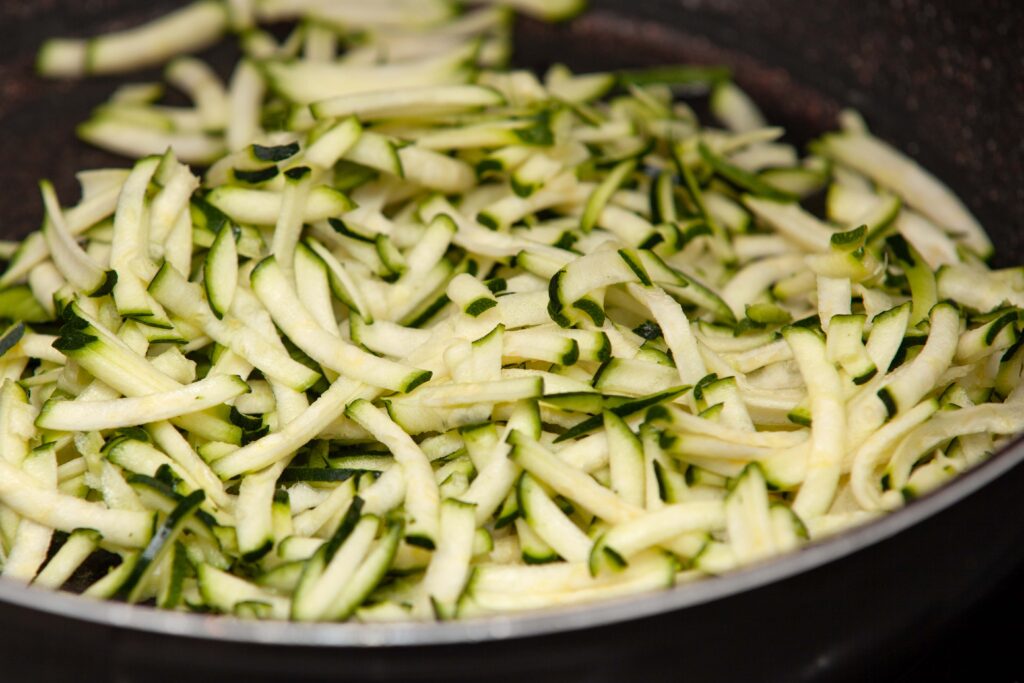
x: 942, y: 80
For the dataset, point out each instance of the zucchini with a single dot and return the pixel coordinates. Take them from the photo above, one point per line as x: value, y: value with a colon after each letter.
x: 919, y: 188
x: 548, y: 522
x: 625, y: 460
x: 748, y: 516
x: 734, y: 108
x: 828, y: 429
x: 426, y: 102
x: 923, y: 288
x: 230, y: 594
x: 262, y: 207
x: 186, y: 300
x: 189, y: 29
x: 845, y: 346
x: 63, y: 415
x: 109, y: 359
x: 369, y: 574
x: 615, y: 549
x: 127, y: 528
x: 163, y: 541
x: 332, y: 567
x: 305, y: 82
x: 220, y: 271
x: 448, y: 570
x: 75, y: 550
x: 434, y: 337
x: 422, y: 498
x: 70, y: 259
x: 32, y: 540
x: 270, y: 284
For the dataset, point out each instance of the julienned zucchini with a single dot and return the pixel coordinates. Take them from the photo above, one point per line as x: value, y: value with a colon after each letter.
x: 162, y: 543
x: 430, y: 339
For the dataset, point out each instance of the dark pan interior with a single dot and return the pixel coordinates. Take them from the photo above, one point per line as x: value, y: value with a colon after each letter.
x: 941, y: 80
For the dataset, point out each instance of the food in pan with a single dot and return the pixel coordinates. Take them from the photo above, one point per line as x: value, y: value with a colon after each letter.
x: 381, y: 329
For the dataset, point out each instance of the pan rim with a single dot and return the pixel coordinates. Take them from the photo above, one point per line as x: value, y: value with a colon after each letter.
x: 285, y: 634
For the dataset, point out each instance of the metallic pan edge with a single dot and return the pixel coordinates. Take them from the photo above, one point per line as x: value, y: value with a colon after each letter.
x: 404, y: 634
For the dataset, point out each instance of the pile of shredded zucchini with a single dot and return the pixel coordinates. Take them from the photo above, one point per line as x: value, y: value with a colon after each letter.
x: 430, y: 337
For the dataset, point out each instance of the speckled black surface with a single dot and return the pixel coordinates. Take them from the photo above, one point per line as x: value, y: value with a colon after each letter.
x: 942, y: 80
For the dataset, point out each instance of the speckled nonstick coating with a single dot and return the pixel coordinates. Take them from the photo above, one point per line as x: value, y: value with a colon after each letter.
x: 942, y: 80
